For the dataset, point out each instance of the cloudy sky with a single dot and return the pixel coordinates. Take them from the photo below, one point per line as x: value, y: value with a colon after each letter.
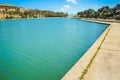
x: 70, y: 6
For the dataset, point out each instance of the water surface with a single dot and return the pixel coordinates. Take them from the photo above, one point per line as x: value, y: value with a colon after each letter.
x: 43, y: 49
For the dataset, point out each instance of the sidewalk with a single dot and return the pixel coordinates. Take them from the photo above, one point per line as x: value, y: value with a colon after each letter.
x: 106, y: 65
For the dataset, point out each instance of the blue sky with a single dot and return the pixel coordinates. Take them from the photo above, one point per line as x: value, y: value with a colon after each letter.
x: 70, y: 6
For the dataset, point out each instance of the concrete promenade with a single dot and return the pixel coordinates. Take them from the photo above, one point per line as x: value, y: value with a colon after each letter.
x: 106, y: 65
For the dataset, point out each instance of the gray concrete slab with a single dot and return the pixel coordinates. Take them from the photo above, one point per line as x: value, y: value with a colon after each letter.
x: 106, y: 65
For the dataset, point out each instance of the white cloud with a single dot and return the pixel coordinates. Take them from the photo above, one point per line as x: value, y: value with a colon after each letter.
x: 72, y: 1
x: 65, y: 8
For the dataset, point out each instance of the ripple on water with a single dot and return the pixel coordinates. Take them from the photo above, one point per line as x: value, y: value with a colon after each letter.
x: 32, y: 49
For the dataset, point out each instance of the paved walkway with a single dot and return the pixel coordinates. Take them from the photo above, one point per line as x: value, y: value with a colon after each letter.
x: 106, y: 65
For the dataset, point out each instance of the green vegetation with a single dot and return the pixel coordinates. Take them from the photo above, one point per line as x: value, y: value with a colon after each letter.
x: 92, y: 59
x: 39, y: 13
x: 34, y: 14
x: 54, y: 14
x: 104, y: 13
x: 9, y: 12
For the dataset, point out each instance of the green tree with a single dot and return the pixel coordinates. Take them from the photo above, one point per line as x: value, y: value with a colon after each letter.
x: 104, y: 12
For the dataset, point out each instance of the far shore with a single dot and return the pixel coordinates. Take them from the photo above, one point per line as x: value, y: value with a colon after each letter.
x: 31, y: 18
x: 86, y: 19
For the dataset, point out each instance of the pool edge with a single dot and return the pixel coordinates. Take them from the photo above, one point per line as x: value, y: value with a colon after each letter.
x: 77, y: 70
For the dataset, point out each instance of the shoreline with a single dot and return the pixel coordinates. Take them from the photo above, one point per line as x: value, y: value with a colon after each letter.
x: 100, y: 20
x: 31, y: 18
x: 79, y: 68
x: 106, y: 65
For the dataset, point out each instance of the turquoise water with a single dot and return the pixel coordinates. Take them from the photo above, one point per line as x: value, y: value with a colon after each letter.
x: 43, y: 49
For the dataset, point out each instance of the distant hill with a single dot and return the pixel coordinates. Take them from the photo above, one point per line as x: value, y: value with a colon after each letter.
x: 8, y: 11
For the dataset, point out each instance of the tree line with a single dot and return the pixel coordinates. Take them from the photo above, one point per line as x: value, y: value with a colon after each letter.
x: 104, y: 13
